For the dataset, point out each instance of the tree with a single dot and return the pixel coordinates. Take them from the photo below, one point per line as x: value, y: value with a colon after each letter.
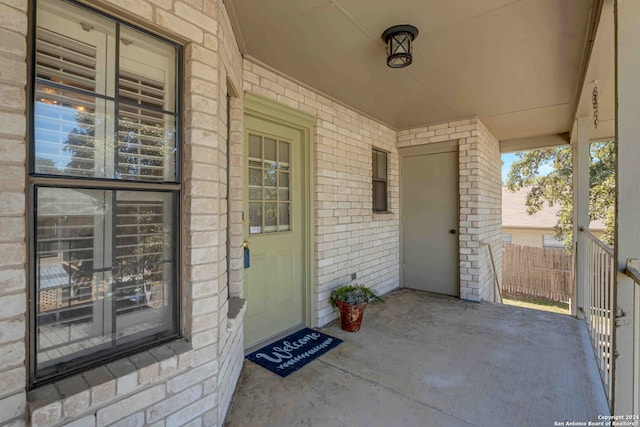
x: 80, y: 143
x: 140, y: 146
x: 556, y: 187
x: 46, y: 165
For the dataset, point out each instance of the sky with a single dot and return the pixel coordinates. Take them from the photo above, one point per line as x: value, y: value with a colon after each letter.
x: 507, y: 159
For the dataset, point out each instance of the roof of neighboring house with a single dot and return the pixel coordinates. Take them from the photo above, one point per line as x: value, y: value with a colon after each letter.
x: 514, y: 212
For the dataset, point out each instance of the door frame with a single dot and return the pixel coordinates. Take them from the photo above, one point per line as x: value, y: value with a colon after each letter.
x: 425, y: 150
x: 269, y: 110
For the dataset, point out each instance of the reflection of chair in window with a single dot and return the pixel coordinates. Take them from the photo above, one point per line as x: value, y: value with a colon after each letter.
x: 53, y: 277
x: 155, y: 295
x: 48, y: 300
x: 129, y: 288
x: 66, y: 293
x: 80, y: 288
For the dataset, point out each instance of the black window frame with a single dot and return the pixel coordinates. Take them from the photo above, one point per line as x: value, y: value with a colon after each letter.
x: 378, y: 179
x: 40, y: 180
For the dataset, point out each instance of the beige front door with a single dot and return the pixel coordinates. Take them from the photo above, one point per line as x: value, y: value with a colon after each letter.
x: 430, y: 222
x: 273, y: 229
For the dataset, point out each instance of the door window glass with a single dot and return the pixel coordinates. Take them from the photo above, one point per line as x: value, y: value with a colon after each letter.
x: 269, y: 185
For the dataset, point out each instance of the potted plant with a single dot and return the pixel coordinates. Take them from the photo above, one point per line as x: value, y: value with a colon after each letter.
x: 351, y: 300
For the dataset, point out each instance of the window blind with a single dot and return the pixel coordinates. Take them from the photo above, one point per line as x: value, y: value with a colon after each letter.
x: 89, y: 272
x: 66, y: 122
x: 64, y: 60
x: 142, y: 132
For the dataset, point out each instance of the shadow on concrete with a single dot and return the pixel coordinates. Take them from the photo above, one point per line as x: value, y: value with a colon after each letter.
x: 423, y: 359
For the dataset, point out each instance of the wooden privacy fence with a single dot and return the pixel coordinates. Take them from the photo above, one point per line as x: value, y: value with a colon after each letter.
x: 537, y: 272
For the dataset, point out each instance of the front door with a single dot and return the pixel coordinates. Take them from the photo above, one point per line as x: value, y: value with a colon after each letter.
x: 429, y: 230
x: 273, y: 229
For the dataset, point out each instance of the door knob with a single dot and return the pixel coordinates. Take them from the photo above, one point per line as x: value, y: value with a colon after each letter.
x: 245, y: 244
x: 452, y: 231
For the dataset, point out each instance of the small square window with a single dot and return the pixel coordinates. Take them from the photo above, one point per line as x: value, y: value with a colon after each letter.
x: 549, y: 241
x: 379, y: 178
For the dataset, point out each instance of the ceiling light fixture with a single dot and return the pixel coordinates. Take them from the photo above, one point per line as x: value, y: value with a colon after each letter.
x: 399, y: 39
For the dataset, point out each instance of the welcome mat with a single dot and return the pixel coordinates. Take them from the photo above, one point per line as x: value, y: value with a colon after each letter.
x: 294, y: 351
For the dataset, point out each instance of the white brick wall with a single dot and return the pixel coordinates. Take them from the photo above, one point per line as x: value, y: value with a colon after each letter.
x: 480, y: 199
x: 13, y: 124
x: 173, y: 384
x: 349, y: 237
x: 489, y: 210
x: 230, y: 344
x: 192, y: 383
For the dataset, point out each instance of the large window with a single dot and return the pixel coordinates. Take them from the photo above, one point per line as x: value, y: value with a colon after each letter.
x: 379, y: 181
x: 104, y: 190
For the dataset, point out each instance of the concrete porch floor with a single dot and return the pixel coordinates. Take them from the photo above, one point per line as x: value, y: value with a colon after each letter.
x: 427, y: 360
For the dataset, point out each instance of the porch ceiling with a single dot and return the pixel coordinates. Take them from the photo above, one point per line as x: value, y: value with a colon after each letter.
x: 601, y: 69
x: 514, y: 64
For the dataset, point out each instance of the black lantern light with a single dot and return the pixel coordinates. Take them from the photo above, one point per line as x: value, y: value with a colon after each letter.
x: 399, y: 39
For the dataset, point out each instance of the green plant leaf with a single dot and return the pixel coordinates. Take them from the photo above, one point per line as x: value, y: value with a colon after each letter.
x: 355, y: 295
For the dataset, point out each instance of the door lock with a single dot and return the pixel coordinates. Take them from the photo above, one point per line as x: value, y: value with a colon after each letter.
x: 452, y: 231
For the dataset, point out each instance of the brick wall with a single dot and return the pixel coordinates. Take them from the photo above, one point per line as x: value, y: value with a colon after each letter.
x: 186, y: 382
x: 349, y: 238
x: 191, y: 381
x: 488, y: 218
x: 13, y: 277
x: 480, y: 199
x: 231, y: 307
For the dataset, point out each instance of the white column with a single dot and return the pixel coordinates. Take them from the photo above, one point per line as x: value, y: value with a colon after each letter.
x: 626, y: 376
x: 580, y: 151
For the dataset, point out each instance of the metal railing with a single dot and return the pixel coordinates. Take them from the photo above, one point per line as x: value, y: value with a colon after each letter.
x: 633, y: 271
x: 598, y: 307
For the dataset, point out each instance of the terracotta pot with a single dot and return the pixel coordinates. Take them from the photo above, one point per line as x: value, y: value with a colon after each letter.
x: 350, y: 316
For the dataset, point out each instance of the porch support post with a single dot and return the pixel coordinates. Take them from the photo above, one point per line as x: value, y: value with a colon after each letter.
x: 626, y: 334
x: 580, y: 151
